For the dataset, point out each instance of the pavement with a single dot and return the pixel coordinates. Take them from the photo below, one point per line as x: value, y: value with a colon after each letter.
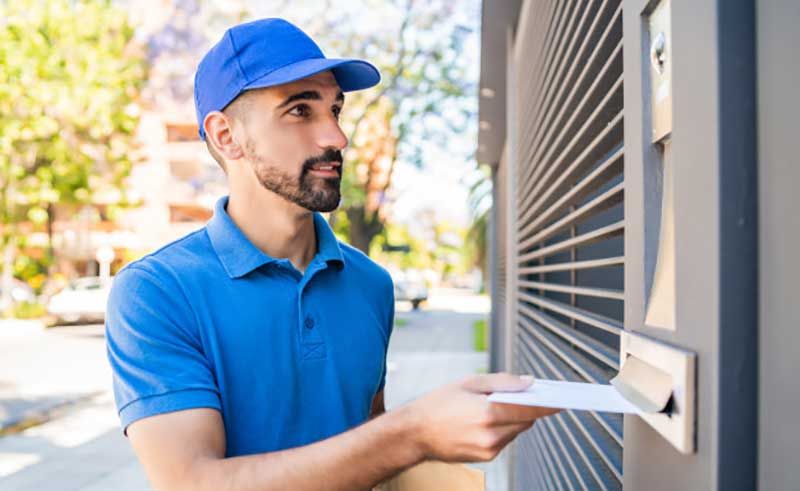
x: 62, y: 431
x: 42, y: 369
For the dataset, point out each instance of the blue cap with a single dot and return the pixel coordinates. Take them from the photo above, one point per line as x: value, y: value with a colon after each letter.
x: 264, y: 53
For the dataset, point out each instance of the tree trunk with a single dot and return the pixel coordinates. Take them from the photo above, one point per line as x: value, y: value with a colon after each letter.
x: 362, y: 228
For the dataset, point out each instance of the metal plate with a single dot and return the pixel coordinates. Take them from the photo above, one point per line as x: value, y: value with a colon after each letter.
x: 678, y: 426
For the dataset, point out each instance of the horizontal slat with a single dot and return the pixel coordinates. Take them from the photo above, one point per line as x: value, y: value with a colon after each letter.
x: 596, y: 235
x: 572, y: 266
x: 611, y: 423
x: 573, y: 85
x: 588, y: 345
x: 554, y: 441
x: 585, y: 316
x: 575, y: 290
x: 581, y: 364
x: 544, y: 100
x: 569, y: 169
x: 566, y: 426
x: 601, y: 203
x: 611, y: 102
x: 558, y: 476
x: 531, y: 84
x: 533, y: 153
x: 611, y: 167
x: 612, y: 462
x: 582, y: 161
x: 588, y: 428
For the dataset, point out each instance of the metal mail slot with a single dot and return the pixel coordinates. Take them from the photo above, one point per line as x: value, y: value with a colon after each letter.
x: 660, y: 379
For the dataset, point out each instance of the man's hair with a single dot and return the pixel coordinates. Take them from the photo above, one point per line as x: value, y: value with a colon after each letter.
x: 237, y: 109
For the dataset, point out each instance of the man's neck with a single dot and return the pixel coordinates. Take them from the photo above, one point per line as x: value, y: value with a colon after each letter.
x: 279, y: 228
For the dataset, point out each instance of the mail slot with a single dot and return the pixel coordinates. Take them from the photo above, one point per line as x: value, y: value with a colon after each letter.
x: 661, y: 378
x: 656, y: 381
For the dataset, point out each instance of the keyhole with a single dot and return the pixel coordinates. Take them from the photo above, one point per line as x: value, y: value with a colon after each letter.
x: 658, y: 52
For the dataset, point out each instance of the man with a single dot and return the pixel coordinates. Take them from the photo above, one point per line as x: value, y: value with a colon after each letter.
x: 250, y: 355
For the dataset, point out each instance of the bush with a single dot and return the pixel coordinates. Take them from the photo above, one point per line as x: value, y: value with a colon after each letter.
x: 479, y: 331
x: 29, y: 310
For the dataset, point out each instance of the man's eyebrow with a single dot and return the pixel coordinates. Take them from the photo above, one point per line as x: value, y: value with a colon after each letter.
x: 308, y: 95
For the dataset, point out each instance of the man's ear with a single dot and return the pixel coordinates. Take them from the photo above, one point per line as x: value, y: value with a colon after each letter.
x: 219, y: 134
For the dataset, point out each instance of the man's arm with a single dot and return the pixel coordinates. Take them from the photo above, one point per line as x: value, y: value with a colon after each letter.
x: 185, y: 450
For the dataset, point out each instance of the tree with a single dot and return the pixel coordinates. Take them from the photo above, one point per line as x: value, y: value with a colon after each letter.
x: 480, y: 204
x: 70, y: 75
x: 426, y: 97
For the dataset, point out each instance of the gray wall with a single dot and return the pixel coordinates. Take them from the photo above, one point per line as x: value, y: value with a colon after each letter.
x: 714, y: 160
x: 778, y: 38
x: 650, y: 462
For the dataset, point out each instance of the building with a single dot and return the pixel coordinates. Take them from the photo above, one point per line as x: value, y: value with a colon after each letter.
x: 644, y: 210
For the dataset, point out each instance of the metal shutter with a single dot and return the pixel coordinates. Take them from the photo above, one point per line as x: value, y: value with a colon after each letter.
x: 569, y: 231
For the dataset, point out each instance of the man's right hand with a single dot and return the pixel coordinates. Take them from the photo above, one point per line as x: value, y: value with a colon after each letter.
x: 458, y: 423
x: 186, y: 449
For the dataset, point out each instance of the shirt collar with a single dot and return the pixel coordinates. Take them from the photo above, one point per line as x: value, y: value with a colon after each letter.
x: 239, y: 256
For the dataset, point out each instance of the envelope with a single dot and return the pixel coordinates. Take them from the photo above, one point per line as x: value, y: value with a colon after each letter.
x: 639, y: 388
x: 436, y: 476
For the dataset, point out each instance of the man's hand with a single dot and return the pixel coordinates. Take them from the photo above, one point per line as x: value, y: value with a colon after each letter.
x: 186, y: 449
x: 458, y: 423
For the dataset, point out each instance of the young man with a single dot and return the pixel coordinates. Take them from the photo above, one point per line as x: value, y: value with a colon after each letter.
x: 250, y: 355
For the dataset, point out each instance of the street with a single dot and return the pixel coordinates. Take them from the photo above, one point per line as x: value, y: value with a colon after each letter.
x: 61, y: 375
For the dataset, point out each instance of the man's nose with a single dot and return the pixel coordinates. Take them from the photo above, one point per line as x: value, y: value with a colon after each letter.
x: 331, y: 135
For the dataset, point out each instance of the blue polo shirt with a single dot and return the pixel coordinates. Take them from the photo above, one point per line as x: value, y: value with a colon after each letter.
x: 210, y: 321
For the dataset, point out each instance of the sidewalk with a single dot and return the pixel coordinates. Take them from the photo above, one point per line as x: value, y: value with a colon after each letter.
x: 84, y: 449
x: 42, y: 370
x: 436, y: 348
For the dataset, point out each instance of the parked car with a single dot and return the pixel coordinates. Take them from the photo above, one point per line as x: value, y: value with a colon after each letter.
x: 20, y: 292
x: 83, y: 299
x: 409, y: 285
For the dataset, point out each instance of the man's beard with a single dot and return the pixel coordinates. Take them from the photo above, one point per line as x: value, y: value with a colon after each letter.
x: 310, y: 192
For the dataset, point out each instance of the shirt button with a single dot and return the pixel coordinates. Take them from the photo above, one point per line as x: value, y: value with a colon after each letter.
x: 309, y: 323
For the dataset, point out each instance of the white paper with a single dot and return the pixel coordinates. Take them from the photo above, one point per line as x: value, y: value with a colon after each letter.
x: 569, y: 395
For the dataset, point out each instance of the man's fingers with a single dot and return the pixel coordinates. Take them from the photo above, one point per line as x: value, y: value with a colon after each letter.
x: 497, y: 382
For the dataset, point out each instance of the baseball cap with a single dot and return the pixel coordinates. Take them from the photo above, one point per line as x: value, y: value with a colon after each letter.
x: 264, y: 53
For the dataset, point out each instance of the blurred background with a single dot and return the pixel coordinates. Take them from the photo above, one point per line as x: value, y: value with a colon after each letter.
x: 100, y: 164
x: 640, y: 182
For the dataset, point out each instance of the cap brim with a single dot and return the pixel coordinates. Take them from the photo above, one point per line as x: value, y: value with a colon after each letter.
x: 350, y: 74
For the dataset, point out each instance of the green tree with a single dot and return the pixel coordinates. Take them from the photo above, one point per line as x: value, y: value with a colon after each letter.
x: 480, y: 204
x: 70, y: 76
x: 427, y: 95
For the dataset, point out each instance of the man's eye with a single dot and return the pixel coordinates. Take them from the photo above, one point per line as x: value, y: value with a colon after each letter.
x: 301, y: 110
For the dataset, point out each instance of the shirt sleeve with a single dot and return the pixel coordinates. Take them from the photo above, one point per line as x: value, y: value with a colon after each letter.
x: 154, y: 348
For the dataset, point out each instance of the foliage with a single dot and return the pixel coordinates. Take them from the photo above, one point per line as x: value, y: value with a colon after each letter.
x: 427, y: 95
x: 480, y: 339
x: 480, y: 203
x: 69, y: 80
x: 29, y: 310
x: 440, y: 252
